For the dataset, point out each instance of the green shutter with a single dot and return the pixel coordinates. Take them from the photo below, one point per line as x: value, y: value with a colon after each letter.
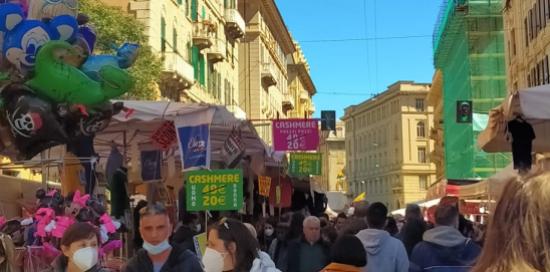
x: 194, y: 10
x: 180, y: 2
x: 162, y: 34
x: 203, y: 13
x: 175, y: 39
x: 195, y: 60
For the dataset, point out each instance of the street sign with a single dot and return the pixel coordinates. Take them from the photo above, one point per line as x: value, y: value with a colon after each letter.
x: 464, y: 112
x: 305, y: 164
x: 328, y: 120
x: 215, y: 190
x: 295, y: 135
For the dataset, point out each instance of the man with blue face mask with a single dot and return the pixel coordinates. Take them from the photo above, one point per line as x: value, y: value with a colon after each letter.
x: 157, y: 254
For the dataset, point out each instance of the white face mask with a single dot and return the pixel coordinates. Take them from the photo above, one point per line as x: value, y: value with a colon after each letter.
x: 156, y: 249
x: 85, y: 258
x: 269, y: 232
x: 213, y: 260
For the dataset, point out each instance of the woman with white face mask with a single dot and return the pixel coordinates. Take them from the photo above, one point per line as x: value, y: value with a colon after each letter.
x: 231, y: 247
x: 80, y: 247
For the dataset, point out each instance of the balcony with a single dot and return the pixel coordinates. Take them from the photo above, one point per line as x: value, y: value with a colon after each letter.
x: 304, y: 96
x: 217, y: 51
x: 204, y: 34
x: 234, y: 24
x: 269, y: 75
x: 179, y: 69
x: 288, y: 103
x: 177, y: 75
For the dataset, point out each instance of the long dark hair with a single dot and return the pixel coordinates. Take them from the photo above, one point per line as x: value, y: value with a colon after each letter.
x: 247, y: 247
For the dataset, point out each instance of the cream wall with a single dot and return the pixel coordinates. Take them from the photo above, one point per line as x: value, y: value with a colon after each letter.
x: 333, y: 154
x: 382, y: 145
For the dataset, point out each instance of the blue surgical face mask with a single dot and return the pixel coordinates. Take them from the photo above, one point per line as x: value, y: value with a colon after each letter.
x: 156, y: 249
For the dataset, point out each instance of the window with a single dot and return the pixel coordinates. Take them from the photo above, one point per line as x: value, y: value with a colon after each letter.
x: 175, y: 40
x: 422, y: 155
x: 421, y: 130
x: 423, y: 182
x: 513, y: 40
x: 419, y: 104
x: 526, y: 29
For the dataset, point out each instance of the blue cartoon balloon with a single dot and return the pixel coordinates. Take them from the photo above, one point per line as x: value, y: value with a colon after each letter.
x: 125, y: 57
x: 23, y: 38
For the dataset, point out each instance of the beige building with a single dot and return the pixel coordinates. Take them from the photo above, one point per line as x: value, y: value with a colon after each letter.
x: 298, y: 102
x: 435, y: 100
x: 198, y: 41
x: 527, y: 34
x: 269, y: 61
x: 388, y: 145
x: 332, y: 147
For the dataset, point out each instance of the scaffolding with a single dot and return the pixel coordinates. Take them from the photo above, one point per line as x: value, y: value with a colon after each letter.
x: 469, y: 49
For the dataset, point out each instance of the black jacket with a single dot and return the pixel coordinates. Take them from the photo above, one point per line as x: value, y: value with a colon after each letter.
x: 179, y: 260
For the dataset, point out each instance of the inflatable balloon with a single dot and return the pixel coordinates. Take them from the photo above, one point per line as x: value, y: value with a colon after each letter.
x: 33, y: 123
x: 125, y: 57
x: 23, y: 38
x: 63, y: 83
x: 39, y: 9
x: 96, y: 120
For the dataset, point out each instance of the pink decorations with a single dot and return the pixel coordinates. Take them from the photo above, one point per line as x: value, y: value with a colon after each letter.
x: 81, y: 200
x: 106, y: 221
x: 44, y: 217
x: 62, y: 223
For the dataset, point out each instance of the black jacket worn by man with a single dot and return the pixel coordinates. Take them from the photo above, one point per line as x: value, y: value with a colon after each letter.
x: 301, y: 252
x: 179, y: 260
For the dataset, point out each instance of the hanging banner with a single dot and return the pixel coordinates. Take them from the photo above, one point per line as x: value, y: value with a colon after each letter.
x: 215, y: 190
x: 295, y: 135
x: 165, y: 136
x: 264, y: 185
x: 280, y: 194
x: 305, y: 164
x: 195, y: 146
x: 233, y: 148
x: 151, y: 165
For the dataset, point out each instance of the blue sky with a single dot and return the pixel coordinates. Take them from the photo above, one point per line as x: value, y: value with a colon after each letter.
x: 348, y: 72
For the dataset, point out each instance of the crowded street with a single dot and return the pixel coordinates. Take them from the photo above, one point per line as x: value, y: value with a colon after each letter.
x: 274, y: 136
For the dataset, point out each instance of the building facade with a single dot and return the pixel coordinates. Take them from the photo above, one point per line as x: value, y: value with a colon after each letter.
x: 198, y: 41
x: 299, y: 101
x: 388, y: 145
x: 267, y: 56
x: 469, y: 51
x: 527, y: 43
x: 435, y: 100
x: 332, y: 147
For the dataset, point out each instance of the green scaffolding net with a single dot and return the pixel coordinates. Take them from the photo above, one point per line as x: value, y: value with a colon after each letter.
x: 469, y: 50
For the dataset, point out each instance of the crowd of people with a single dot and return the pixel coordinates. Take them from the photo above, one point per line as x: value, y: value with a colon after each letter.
x: 368, y: 240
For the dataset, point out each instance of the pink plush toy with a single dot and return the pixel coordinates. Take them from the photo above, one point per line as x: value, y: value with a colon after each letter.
x: 79, y: 202
x: 107, y: 221
x: 62, y: 223
x: 110, y: 247
x: 44, y: 217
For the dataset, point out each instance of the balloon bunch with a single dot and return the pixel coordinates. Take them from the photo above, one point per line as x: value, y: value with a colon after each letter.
x: 55, y: 214
x: 55, y: 88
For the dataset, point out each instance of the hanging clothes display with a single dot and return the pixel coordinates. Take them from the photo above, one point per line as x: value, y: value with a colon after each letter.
x: 114, y: 162
x: 70, y: 174
x: 120, y: 201
x: 83, y: 147
x: 522, y: 143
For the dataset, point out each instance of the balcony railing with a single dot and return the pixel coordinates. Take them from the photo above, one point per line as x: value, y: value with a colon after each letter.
x: 269, y: 76
x: 217, y: 52
x: 234, y: 23
x: 175, y: 65
x: 204, y: 33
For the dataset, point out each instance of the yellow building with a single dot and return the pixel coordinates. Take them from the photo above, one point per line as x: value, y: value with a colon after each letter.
x: 198, y: 41
x: 388, y: 145
x: 298, y: 102
x: 332, y: 147
x: 269, y: 61
x: 435, y: 100
x: 527, y: 34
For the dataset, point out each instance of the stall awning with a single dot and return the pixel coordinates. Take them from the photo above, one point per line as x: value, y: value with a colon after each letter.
x: 149, y: 115
x: 532, y: 105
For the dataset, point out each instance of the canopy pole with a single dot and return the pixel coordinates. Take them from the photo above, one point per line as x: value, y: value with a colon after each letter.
x: 43, y: 166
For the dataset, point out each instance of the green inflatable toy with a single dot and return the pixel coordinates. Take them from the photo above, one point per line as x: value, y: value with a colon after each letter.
x: 63, y: 83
